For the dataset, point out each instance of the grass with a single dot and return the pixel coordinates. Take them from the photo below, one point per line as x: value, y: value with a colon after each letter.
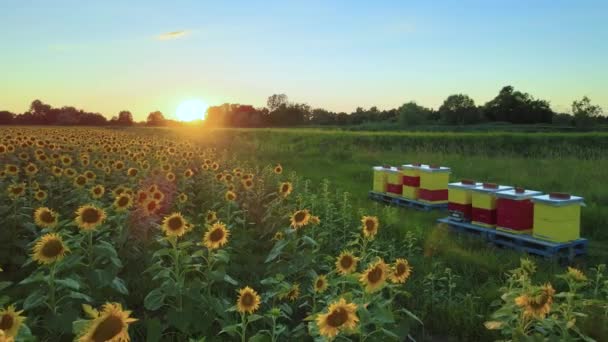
x: 574, y: 163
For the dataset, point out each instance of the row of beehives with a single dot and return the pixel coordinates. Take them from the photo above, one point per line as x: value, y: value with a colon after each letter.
x: 554, y: 216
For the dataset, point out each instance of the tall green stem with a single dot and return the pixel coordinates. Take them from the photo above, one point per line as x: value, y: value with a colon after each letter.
x: 52, y: 288
x: 244, y: 327
x: 178, y: 277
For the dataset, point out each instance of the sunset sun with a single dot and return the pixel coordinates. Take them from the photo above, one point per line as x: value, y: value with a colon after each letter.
x: 191, y: 110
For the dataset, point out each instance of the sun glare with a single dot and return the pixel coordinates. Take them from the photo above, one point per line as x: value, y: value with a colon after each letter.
x: 191, y: 110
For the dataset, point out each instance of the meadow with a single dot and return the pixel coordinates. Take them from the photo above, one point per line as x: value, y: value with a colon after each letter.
x: 267, y: 235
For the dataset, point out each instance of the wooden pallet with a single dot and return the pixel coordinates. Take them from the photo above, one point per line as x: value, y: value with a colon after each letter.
x: 522, y: 242
x: 404, y: 202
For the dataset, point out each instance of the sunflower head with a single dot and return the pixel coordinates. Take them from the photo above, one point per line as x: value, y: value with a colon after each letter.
x: 300, y: 218
x: 292, y: 293
x: 369, y: 226
x: 320, y: 284
x: 132, y: 172
x: 175, y: 225
x: 346, y: 262
x: 230, y: 196
x: 340, y: 316
x: 576, y: 275
x: 537, y: 304
x: 97, y: 191
x: 248, y: 300
x: 247, y: 184
x: 123, y: 202
x: 40, y: 195
x: 80, y: 181
x: 88, y: 217
x: 151, y: 206
x: 285, y: 189
x: 216, y: 236
x: 182, y: 198
x: 401, y: 271
x: 211, y: 217
x: 278, y: 236
x: 170, y: 176
x: 49, y: 248
x: 16, y: 190
x: 278, y: 169
x: 109, y: 324
x: 45, y: 217
x: 10, y: 322
x: 374, y: 276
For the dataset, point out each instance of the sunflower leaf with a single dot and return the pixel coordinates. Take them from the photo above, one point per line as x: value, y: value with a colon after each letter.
x: 34, y: 300
x: 276, y: 250
x: 154, y: 300
x: 69, y: 283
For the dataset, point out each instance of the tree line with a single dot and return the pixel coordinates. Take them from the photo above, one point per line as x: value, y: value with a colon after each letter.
x: 509, y: 106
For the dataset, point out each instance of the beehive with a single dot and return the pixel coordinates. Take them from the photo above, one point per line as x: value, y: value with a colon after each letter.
x: 483, y: 212
x: 515, y: 210
x: 460, y: 199
x: 380, y: 178
x: 557, y: 217
x: 411, y: 180
x: 434, y: 184
x: 394, y: 181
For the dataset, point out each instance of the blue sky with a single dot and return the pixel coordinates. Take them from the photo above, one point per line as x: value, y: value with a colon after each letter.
x: 108, y: 56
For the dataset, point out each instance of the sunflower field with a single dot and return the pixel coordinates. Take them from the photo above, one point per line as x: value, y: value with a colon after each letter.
x: 114, y: 235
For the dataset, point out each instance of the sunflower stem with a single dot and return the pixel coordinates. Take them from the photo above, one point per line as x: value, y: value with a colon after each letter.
x: 178, y: 276
x: 52, y: 288
x: 244, y: 327
x: 90, y: 249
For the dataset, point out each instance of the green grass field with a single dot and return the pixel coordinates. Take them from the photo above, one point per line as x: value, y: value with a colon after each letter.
x: 573, y: 163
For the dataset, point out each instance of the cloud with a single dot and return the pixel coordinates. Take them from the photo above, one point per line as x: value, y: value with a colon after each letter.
x: 173, y: 35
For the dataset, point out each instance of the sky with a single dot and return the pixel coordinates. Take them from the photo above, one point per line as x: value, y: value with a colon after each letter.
x: 142, y: 56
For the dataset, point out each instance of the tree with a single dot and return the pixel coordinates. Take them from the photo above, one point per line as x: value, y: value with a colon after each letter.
x: 584, y: 112
x: 459, y: 109
x: 276, y: 101
x: 156, y: 119
x: 6, y: 117
x: 125, y: 118
x: 412, y: 114
x: 517, y: 107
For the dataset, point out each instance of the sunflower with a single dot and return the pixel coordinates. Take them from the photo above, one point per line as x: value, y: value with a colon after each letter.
x: 401, y: 271
x: 188, y: 173
x: 69, y: 172
x: 142, y: 196
x: 111, y: 324
x: 40, y: 195
x: 211, y: 217
x: 4, y: 338
x: 16, y: 190
x: 49, y: 248
x: 88, y: 217
x: 10, y: 321
x: 370, y: 226
x: 31, y: 169
x: 175, y: 225
x: 293, y: 293
x: 320, y: 284
x: 66, y: 160
x: 132, y: 172
x: 97, y: 191
x: 215, y: 166
x: 119, y: 165
x: 340, y: 315
x: 90, y: 175
x: 57, y: 171
x: 219, y: 177
x: 170, y: 176
x: 247, y: 184
x: 285, y: 189
x: 278, y: 169
x: 11, y: 169
x: 182, y: 198
x: 230, y: 196
x: 315, y: 220
x: 375, y: 276
x: 576, y: 275
x: 346, y: 262
x: 80, y: 181
x: 123, y: 202
x: 45, y: 217
x: 248, y: 300
x: 158, y: 196
x: 216, y: 236
x: 537, y: 304
x: 151, y: 207
x: 300, y: 218
x: 278, y: 236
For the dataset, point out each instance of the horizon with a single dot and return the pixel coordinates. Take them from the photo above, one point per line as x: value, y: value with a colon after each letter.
x: 336, y: 56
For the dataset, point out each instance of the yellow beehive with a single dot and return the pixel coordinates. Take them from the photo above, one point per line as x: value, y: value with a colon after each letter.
x: 462, y: 192
x: 393, y: 176
x: 411, y: 181
x: 380, y: 178
x: 557, y: 217
x: 434, y: 178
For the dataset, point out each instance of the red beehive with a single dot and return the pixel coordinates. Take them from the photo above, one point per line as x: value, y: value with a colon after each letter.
x: 515, y: 210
